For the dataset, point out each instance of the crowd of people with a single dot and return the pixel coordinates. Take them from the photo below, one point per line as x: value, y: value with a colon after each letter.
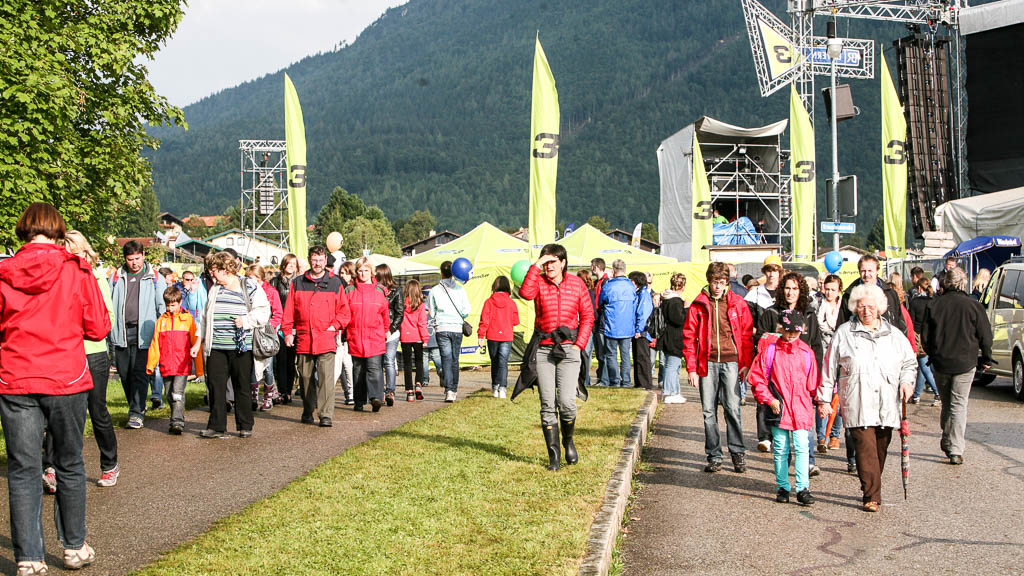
x: 817, y: 362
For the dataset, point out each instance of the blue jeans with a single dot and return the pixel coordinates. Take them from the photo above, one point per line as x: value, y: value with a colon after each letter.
x: 599, y: 349
x: 450, y: 344
x: 721, y: 386
x: 782, y: 441
x: 624, y: 348
x: 432, y: 355
x: 158, y: 383
x: 24, y: 417
x: 924, y: 374
x: 821, y: 423
x: 585, y: 358
x: 390, y: 368
x: 499, y: 352
x: 670, y: 369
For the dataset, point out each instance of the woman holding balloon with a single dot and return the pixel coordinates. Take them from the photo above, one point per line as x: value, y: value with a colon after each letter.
x: 449, y: 306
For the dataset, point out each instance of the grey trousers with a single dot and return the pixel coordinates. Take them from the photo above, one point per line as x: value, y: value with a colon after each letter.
x: 954, y: 390
x: 176, y: 397
x: 557, y: 383
x: 321, y: 392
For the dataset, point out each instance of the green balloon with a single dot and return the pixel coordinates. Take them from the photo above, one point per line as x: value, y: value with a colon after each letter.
x: 519, y: 270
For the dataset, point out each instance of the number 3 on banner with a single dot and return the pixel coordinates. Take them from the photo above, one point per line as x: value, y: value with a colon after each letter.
x: 896, y: 152
x: 804, y: 171
x: 298, y: 176
x: 704, y: 211
x: 547, y: 145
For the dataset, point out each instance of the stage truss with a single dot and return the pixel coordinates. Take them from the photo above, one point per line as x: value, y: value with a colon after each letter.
x: 264, y: 196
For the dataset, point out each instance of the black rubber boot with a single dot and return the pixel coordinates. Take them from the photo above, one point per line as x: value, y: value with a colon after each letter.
x: 554, y: 451
x: 571, y: 457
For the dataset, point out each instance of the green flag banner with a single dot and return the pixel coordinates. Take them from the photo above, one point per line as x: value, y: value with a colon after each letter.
x: 295, y: 145
x: 703, y: 213
x: 894, y: 168
x: 802, y: 182
x: 544, y: 126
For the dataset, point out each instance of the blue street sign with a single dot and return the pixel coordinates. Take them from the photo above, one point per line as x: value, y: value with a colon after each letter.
x: 840, y: 227
x: 851, y: 57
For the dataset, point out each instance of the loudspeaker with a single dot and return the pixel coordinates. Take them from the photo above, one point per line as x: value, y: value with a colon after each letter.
x: 844, y: 103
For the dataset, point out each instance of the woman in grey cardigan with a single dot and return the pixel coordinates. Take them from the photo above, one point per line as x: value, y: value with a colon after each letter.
x: 876, y: 368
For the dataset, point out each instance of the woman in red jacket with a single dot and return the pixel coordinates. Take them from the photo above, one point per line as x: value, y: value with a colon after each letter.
x: 367, y: 336
x: 414, y: 335
x: 263, y: 368
x: 50, y: 304
x: 497, y: 319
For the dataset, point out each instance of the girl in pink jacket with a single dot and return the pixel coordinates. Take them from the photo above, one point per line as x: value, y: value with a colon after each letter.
x: 784, y: 377
x: 414, y: 337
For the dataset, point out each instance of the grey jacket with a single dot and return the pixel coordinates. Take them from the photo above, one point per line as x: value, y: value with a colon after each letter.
x: 259, y: 312
x: 151, y: 305
x: 869, y: 366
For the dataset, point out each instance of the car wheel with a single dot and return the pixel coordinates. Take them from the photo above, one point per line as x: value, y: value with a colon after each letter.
x: 1018, y: 377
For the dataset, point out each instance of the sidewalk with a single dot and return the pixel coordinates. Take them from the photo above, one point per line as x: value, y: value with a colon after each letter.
x: 174, y: 487
x: 958, y: 520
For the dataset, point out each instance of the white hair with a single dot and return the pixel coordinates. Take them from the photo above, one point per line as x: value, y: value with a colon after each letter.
x: 870, y: 292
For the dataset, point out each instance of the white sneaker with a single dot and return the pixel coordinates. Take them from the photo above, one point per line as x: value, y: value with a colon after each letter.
x: 495, y: 393
x: 764, y: 446
x: 673, y: 399
x: 449, y: 396
x: 501, y: 393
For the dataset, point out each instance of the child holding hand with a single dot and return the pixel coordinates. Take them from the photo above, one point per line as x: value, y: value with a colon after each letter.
x: 175, y: 346
x: 784, y: 376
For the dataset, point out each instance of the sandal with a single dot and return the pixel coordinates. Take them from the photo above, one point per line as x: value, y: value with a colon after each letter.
x: 871, y: 506
x: 32, y: 568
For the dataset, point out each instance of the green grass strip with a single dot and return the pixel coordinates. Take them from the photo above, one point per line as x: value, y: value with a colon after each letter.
x: 462, y: 490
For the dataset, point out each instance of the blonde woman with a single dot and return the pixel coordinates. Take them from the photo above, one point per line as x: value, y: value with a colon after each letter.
x: 980, y: 283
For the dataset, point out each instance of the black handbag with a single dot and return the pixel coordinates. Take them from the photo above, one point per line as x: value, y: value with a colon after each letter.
x: 265, y: 342
x: 467, y: 328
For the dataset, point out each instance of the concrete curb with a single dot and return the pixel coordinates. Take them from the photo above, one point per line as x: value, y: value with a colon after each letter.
x: 605, y: 529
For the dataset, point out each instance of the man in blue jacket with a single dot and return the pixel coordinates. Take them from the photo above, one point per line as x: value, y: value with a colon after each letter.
x: 137, y: 293
x: 618, y: 307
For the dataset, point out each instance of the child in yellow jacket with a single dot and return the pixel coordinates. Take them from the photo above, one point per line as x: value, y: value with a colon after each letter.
x: 174, y: 348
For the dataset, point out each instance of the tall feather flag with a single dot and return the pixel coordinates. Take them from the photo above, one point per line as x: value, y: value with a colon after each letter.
x: 701, y: 227
x: 894, y: 168
x: 544, y: 134
x: 295, y: 146
x: 802, y: 181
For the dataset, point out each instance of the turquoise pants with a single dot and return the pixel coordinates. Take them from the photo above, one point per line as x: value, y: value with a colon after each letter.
x: 782, y: 440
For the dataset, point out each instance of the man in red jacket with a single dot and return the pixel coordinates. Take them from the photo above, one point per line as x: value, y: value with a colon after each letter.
x: 718, y: 347
x: 563, y: 305
x: 317, y: 310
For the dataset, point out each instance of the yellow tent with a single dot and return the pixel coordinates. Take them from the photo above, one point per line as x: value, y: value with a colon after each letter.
x: 587, y: 243
x: 484, y: 245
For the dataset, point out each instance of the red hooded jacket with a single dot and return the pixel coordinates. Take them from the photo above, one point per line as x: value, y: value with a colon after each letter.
x: 367, y: 332
x: 276, y: 310
x: 317, y: 310
x: 567, y: 304
x: 49, y: 304
x: 499, y: 316
x: 414, y: 324
x: 697, y: 329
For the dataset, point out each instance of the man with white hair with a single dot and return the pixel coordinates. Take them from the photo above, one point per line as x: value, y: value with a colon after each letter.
x: 956, y: 327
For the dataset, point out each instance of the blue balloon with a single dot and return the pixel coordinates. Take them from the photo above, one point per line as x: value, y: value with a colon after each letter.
x: 462, y: 269
x: 833, y: 262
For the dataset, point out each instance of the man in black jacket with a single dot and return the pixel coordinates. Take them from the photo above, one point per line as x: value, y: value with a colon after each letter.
x: 955, y: 328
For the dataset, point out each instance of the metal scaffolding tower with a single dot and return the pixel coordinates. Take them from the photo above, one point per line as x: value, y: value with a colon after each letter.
x: 264, y: 197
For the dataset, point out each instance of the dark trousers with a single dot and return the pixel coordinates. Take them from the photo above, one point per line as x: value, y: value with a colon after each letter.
x: 131, y: 368
x: 284, y: 369
x: 102, y: 425
x: 367, y: 378
x: 224, y: 364
x: 872, y: 444
x: 412, y: 355
x: 641, y: 363
x: 764, y: 431
x: 599, y: 350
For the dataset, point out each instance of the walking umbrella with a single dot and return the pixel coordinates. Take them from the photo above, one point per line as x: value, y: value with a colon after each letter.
x: 832, y: 416
x: 905, y: 449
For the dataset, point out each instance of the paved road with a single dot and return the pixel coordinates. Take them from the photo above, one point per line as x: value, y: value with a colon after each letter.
x: 174, y: 487
x: 959, y: 519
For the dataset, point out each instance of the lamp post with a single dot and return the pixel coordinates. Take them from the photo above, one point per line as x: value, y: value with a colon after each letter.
x: 834, y: 49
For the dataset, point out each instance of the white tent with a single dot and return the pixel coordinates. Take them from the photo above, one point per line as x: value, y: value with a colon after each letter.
x: 984, y: 215
x: 403, y: 266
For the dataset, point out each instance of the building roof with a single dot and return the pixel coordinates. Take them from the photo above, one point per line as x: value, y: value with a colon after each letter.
x: 144, y: 240
x: 207, y: 220
x: 243, y: 233
x: 431, y: 237
x: 171, y: 217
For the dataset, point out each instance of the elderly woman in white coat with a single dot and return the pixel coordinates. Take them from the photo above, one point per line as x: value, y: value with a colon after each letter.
x: 876, y: 368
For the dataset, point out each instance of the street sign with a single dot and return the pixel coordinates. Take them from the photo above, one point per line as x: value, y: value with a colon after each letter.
x: 838, y: 228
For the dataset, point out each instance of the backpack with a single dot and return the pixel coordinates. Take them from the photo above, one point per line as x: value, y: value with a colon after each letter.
x: 656, y: 323
x: 770, y: 418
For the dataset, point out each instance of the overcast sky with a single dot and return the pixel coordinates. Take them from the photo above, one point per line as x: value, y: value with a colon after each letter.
x: 222, y: 43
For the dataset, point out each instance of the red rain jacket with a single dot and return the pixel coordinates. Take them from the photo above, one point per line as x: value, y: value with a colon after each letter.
x: 173, y: 337
x: 794, y: 376
x: 414, y: 324
x: 313, y: 306
x: 276, y: 310
x: 367, y: 332
x: 499, y: 316
x: 49, y: 304
x: 697, y: 331
x: 567, y: 304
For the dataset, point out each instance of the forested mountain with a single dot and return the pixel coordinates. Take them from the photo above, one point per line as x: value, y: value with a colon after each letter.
x: 430, y: 108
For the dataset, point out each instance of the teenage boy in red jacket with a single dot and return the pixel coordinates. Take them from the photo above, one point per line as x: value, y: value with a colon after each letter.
x: 718, y: 347
x: 562, y: 304
x: 318, y: 311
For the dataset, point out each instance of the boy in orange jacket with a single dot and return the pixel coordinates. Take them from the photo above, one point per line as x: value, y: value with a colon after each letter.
x: 174, y: 347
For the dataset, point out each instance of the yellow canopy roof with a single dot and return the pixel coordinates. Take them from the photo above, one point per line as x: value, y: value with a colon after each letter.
x: 484, y: 245
x: 587, y: 243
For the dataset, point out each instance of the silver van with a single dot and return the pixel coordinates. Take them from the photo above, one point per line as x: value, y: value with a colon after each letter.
x: 1004, y: 302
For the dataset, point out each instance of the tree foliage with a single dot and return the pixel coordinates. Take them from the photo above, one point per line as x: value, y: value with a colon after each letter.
x: 74, y: 100
x: 142, y: 222
x: 600, y: 223
x: 649, y: 231
x: 417, y: 227
x: 375, y: 235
